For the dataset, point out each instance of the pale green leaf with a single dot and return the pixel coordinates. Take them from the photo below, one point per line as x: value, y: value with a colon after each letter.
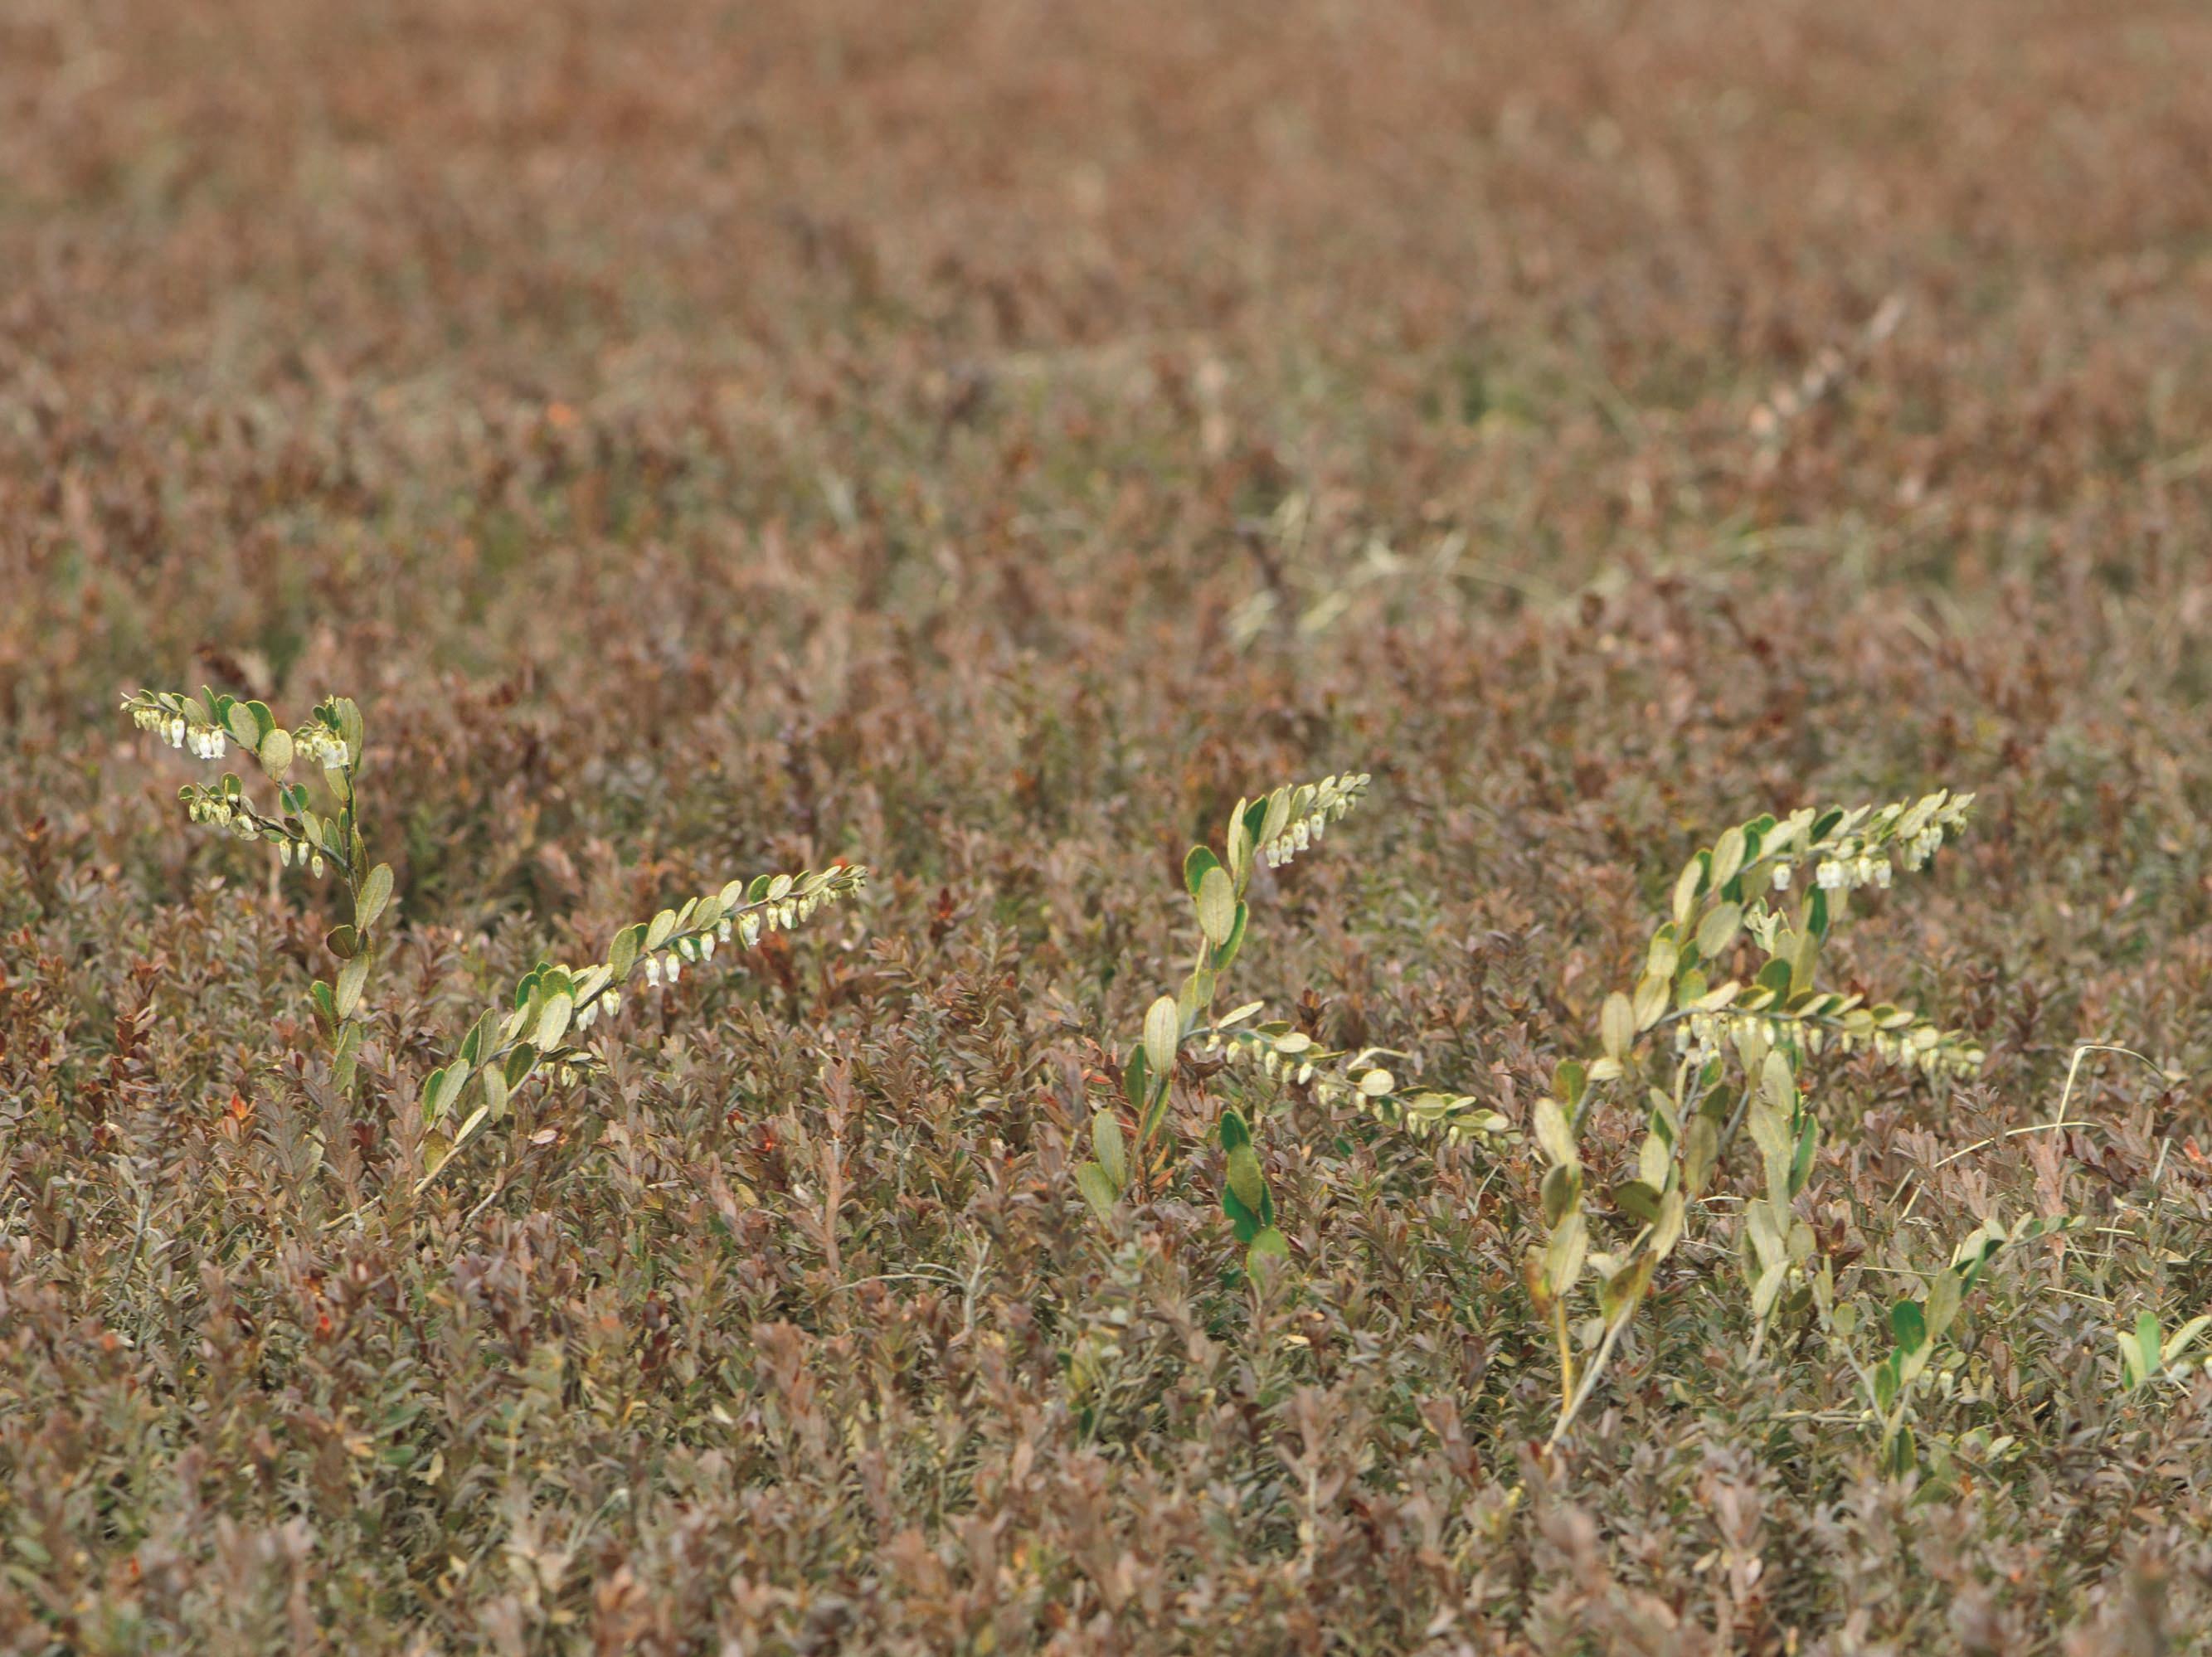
x: 1107, y: 1139
x: 1216, y: 905
x: 375, y: 893
x: 1163, y: 1035
x: 276, y: 753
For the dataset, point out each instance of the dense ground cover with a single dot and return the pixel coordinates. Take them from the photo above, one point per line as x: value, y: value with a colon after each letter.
x: 984, y: 440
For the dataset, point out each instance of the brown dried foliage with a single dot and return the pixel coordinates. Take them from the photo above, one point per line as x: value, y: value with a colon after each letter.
x: 986, y: 438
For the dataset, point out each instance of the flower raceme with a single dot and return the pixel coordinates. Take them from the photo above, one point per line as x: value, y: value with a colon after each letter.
x: 555, y: 1003
x: 1305, y: 815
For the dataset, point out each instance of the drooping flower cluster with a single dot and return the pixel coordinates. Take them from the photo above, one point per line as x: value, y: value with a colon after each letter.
x: 224, y: 805
x: 1898, y: 1037
x: 203, y: 742
x: 1862, y: 855
x: 289, y: 851
x: 1845, y: 874
x: 1353, y: 1079
x: 786, y: 900
x: 1308, y: 810
x: 322, y: 746
x: 688, y: 937
x: 554, y: 1003
x: 220, y: 807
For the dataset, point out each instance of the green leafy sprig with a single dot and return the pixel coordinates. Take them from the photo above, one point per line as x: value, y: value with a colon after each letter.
x: 1918, y: 1325
x: 315, y: 841
x: 1271, y: 830
x: 541, y: 1030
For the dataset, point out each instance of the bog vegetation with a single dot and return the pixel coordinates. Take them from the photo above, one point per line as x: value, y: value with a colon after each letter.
x: 770, y: 1054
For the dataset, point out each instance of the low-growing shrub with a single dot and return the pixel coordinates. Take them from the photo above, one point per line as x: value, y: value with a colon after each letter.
x: 1768, y: 1024
x: 539, y: 1032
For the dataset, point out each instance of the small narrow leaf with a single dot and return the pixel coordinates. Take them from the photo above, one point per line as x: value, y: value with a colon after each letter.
x: 2148, y: 1344
x: 621, y: 954
x: 1728, y: 859
x: 1778, y: 1083
x: 1667, y: 1229
x: 2183, y: 1338
x: 1560, y: 1193
x: 475, y: 1121
x: 1800, y: 1165
x: 1700, y: 1147
x: 1768, y: 1289
x: 1943, y: 1296
x: 1136, y: 1079
x: 1240, y: 850
x: 1687, y: 885
x: 344, y: 1057
x: 1225, y: 951
x: 1554, y: 1133
x: 1246, y: 1180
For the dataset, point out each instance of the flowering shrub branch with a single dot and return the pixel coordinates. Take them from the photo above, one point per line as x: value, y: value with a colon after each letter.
x: 540, y: 1032
x: 313, y: 842
x: 555, y: 1003
x: 1770, y: 1022
x: 1273, y: 830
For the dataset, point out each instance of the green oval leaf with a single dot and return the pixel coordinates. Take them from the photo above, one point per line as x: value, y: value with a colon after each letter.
x: 1617, y: 1026
x: 1195, y: 865
x: 1107, y: 1139
x: 553, y: 1022
x: 375, y: 893
x: 1163, y: 1035
x: 276, y: 753
x: 351, y: 977
x: 1098, y: 1189
x: 1718, y: 929
x: 1216, y: 898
